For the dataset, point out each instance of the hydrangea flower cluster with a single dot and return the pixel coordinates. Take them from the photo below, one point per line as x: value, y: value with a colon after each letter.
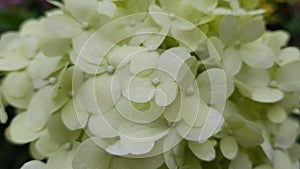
x: 152, y: 84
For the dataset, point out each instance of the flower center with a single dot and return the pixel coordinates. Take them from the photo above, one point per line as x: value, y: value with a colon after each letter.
x: 155, y: 81
x: 190, y: 91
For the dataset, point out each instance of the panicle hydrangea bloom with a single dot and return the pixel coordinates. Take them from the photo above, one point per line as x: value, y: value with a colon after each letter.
x: 130, y: 84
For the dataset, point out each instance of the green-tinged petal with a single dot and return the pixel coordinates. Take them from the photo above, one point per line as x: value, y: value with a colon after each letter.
x: 254, y: 77
x: 41, y: 107
x: 229, y: 147
x: 204, y: 5
x: 42, y: 67
x: 107, y: 92
x: 287, y: 55
x: 138, y: 148
x: 63, y: 26
x: 276, y: 114
x: 252, y: 30
x: 107, y: 8
x: 159, y: 16
x: 287, y: 77
x: 13, y: 62
x: 120, y: 56
x: 35, y: 164
x: 276, y: 40
x: 3, y: 115
x: 249, y: 135
x: 281, y: 160
x: 62, y: 158
x: 73, y: 118
x: 166, y: 93
x: 46, y: 145
x: 11, y: 85
x: 156, y: 39
x: 232, y: 61
x: 215, y: 48
x: 139, y: 112
x: 117, y: 149
x: 20, y: 132
x: 214, y: 86
x: 82, y: 11
x: 59, y: 132
x: 176, y: 156
x: 140, y: 90
x: 134, y: 132
x: 90, y: 156
x: 194, y: 113
x: 173, y: 112
x: 144, y: 62
x: 56, y: 47
x: 228, y: 29
x: 287, y: 134
x: 267, y: 95
x: 105, y: 125
x: 257, y: 55
x: 242, y: 160
x: 204, y: 151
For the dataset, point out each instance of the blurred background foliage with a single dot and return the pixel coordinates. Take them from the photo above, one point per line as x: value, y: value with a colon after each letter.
x: 280, y: 14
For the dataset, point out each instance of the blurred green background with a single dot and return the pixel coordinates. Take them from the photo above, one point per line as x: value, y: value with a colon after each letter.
x: 281, y: 14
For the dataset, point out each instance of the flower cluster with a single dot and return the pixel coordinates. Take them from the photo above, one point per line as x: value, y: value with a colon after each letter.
x: 151, y: 84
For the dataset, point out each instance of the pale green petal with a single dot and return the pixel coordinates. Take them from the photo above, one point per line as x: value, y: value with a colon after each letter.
x: 276, y: 40
x: 249, y: 135
x: 35, y: 164
x: 11, y: 85
x: 107, y: 8
x: 287, y: 134
x: 81, y: 10
x: 159, y: 16
x: 59, y: 132
x: 20, y: 132
x: 41, y: 107
x: 134, y: 132
x: 204, y: 151
x: 90, y: 156
x: 46, y: 145
x: 105, y: 125
x: 117, y: 149
x: 138, y: 148
x: 173, y: 112
x: 287, y: 77
x: 139, y: 112
x: 62, y: 158
x: 281, y: 160
x: 194, y: 113
x: 73, y: 118
x: 287, y: 55
x: 120, y: 56
x: 166, y: 93
x: 242, y: 160
x: 228, y: 29
x: 215, y: 48
x: 13, y: 62
x: 257, y: 55
x: 254, y: 77
x: 56, y: 47
x: 156, y: 39
x: 63, y: 25
x: 175, y: 157
x: 144, y: 62
x: 232, y: 61
x: 214, y: 86
x: 276, y: 114
x: 229, y: 147
x: 138, y: 90
x: 42, y: 67
x: 267, y: 95
x: 3, y: 114
x: 252, y: 30
x: 204, y: 5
